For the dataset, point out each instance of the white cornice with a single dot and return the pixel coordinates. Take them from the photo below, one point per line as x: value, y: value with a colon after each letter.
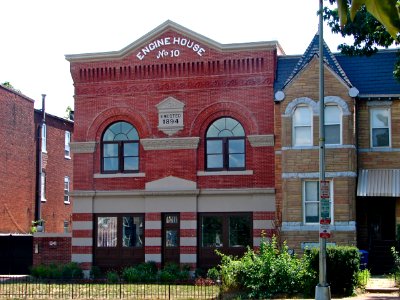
x: 83, y: 147
x: 119, y: 175
x: 261, y: 140
x: 170, y: 143
x: 169, y: 25
x: 142, y: 193
x: 224, y: 173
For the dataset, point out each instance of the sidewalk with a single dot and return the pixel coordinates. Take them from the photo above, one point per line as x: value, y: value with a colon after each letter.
x: 382, y: 288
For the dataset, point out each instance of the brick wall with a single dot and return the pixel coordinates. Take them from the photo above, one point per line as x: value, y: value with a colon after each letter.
x: 17, y: 162
x: 51, y: 248
x: 237, y: 84
x: 381, y: 159
x: 56, y: 166
x: 302, y: 163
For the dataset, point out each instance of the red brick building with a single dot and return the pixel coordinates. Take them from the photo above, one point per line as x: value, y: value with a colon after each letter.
x: 173, y: 150
x: 56, y: 179
x: 19, y: 172
x: 29, y: 192
x: 17, y: 162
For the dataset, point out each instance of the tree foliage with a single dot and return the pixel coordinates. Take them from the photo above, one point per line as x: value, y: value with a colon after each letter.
x: 368, y: 33
x: 385, y: 11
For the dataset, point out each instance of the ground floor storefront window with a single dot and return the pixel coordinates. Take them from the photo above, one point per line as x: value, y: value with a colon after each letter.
x: 118, y: 240
x: 230, y: 233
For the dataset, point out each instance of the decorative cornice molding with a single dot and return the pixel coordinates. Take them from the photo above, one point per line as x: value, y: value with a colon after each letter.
x: 336, y: 226
x: 159, y: 85
x: 143, y: 193
x: 379, y: 103
x: 313, y: 175
x: 170, y: 103
x: 224, y: 173
x: 261, y: 140
x: 237, y: 191
x: 119, y: 175
x: 83, y: 147
x: 170, y: 143
x: 317, y: 147
x: 382, y: 149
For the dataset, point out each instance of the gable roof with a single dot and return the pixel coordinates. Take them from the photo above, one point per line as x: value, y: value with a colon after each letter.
x: 372, y: 76
x: 170, y: 25
x: 329, y: 60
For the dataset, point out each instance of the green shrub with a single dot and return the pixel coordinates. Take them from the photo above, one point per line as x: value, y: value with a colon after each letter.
x: 396, y: 267
x: 40, y: 271
x: 132, y: 275
x: 172, y: 272
x: 270, y: 272
x: 342, y: 266
x: 213, y: 274
x: 112, y: 277
x: 54, y: 271
x: 144, y: 272
x: 362, y: 278
x: 95, y: 272
x: 71, y: 271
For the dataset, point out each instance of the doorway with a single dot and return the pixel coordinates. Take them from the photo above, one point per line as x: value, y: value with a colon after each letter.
x: 170, y: 238
x: 376, y: 231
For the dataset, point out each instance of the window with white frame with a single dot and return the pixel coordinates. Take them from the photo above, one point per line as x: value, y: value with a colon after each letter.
x: 380, y: 127
x: 302, y: 126
x: 67, y: 149
x: 43, y: 186
x: 44, y: 138
x: 311, y: 201
x: 66, y: 190
x: 333, y: 125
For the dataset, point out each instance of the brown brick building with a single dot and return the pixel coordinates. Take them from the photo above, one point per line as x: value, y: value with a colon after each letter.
x: 361, y: 156
x: 173, y: 150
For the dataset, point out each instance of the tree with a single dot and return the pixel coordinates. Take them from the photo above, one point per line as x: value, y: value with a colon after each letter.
x: 68, y: 112
x: 387, y: 12
x: 367, y: 31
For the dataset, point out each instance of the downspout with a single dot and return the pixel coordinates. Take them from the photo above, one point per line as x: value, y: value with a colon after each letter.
x: 39, y: 159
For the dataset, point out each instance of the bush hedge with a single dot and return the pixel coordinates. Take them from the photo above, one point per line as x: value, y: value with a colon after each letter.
x: 342, y: 267
x: 271, y: 271
x: 53, y: 271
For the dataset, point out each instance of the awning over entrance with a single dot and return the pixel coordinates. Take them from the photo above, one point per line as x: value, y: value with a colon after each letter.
x: 379, y: 183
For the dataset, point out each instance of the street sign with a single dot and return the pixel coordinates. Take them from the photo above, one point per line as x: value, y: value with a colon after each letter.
x: 325, y: 209
x: 325, y: 231
x: 324, y: 189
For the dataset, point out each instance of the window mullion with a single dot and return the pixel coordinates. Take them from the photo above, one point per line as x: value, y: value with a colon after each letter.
x: 225, y: 153
x: 121, y: 156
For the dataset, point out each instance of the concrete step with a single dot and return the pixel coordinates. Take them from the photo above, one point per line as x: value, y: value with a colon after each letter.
x: 381, y: 284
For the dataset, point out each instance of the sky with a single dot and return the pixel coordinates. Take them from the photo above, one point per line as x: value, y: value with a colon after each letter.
x: 36, y: 35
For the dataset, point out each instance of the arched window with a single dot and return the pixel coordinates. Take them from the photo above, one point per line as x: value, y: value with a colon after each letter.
x: 333, y: 125
x: 302, y: 126
x: 120, y: 149
x: 225, y: 145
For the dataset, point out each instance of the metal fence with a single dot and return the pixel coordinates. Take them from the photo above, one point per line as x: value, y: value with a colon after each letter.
x: 31, y: 288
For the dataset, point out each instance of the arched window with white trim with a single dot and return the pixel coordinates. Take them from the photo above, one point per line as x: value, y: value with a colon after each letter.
x: 225, y: 145
x: 120, y: 149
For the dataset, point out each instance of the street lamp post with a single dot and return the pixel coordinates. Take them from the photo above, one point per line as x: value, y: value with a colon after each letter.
x: 322, y: 290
